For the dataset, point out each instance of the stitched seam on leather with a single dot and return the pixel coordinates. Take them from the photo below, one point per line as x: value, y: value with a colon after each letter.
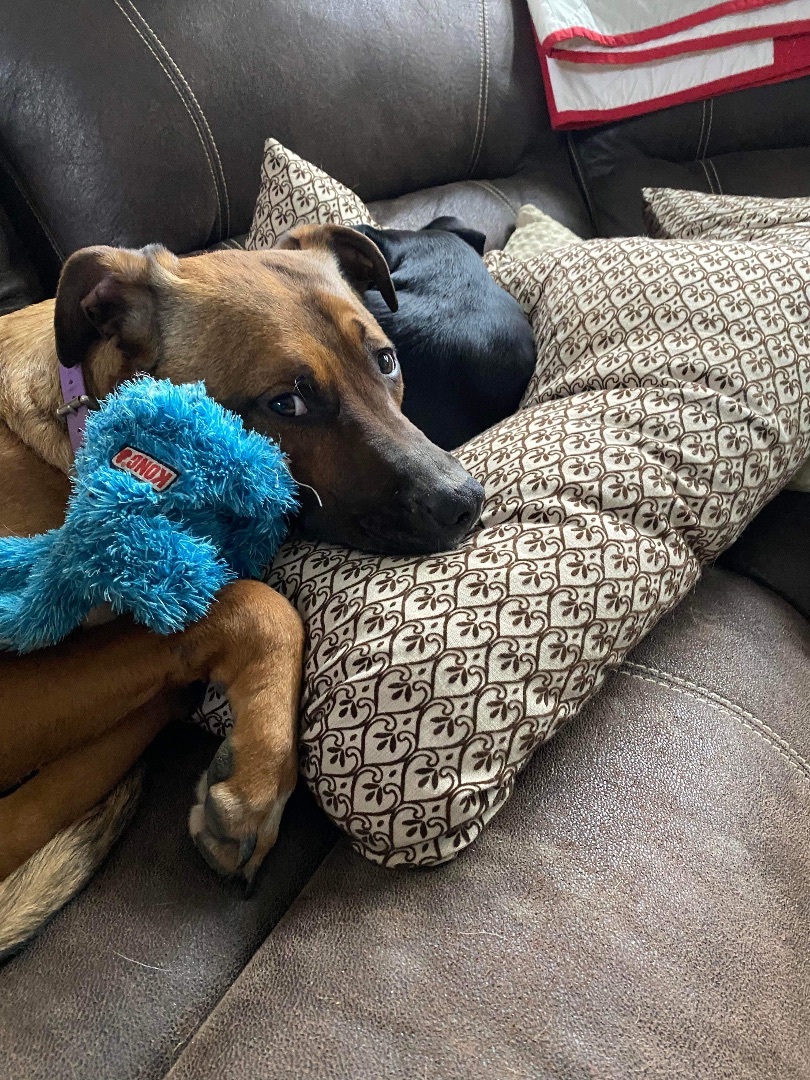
x: 572, y: 153
x: 191, y: 115
x: 709, y: 128
x: 483, y: 91
x: 496, y: 191
x: 709, y: 180
x: 201, y: 115
x: 717, y: 701
x: 12, y: 173
x: 699, y: 152
x: 716, y: 177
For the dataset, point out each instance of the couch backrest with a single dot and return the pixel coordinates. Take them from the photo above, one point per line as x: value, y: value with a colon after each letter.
x: 127, y: 124
x: 752, y: 142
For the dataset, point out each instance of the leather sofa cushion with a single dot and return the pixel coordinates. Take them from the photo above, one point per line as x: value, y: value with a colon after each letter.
x: 18, y: 282
x: 121, y: 978
x: 157, y: 136
x: 659, y: 420
x: 773, y: 549
x: 293, y: 192
x: 640, y: 908
x: 754, y: 142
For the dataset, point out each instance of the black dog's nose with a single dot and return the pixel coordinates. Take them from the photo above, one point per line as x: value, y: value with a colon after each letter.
x: 456, y: 506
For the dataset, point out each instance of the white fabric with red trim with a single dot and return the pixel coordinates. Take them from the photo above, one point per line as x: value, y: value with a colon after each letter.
x: 605, y: 61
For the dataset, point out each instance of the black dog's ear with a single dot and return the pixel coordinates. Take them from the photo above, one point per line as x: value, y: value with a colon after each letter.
x: 473, y: 237
x: 358, y: 256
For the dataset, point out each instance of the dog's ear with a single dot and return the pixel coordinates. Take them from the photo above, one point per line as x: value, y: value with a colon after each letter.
x: 472, y: 237
x: 359, y: 258
x: 111, y: 293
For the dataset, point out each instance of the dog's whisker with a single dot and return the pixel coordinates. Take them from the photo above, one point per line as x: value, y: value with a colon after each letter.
x: 309, y: 487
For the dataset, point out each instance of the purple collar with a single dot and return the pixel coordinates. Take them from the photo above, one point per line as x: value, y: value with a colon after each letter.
x: 76, y: 402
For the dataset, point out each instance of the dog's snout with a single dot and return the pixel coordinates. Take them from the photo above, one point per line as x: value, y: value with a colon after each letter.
x: 455, y: 506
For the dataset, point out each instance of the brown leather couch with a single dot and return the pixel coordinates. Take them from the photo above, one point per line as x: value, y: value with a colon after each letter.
x: 641, y: 908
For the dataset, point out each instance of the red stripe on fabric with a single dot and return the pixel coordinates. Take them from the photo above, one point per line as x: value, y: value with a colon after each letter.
x: 695, y: 45
x: 791, y: 61
x: 638, y: 37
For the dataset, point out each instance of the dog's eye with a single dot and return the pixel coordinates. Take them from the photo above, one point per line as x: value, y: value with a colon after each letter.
x: 387, y: 360
x: 288, y: 405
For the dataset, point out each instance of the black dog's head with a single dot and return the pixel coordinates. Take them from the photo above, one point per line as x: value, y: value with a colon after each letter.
x: 472, y: 237
x: 464, y: 345
x: 397, y: 243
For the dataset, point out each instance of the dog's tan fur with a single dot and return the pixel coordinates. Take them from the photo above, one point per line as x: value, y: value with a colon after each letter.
x: 46, y: 881
x: 78, y: 716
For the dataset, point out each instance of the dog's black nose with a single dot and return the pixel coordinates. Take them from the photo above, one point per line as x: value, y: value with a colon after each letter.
x: 454, y: 506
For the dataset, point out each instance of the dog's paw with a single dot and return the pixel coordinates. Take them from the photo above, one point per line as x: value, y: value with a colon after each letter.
x: 233, y: 834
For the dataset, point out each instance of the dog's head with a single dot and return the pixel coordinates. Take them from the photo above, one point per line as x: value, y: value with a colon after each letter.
x: 282, y: 338
x: 439, y: 238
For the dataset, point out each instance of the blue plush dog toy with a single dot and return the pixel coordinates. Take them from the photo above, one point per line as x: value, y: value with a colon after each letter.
x: 171, y: 499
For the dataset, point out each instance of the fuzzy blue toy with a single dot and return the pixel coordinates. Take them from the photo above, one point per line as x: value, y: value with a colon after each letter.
x: 171, y: 499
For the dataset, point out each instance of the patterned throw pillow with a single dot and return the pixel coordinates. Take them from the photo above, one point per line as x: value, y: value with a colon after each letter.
x: 686, y: 215
x: 671, y: 400
x: 294, y: 192
x: 536, y: 233
x: 695, y: 215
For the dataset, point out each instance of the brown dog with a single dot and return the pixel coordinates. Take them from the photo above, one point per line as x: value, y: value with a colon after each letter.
x: 282, y: 338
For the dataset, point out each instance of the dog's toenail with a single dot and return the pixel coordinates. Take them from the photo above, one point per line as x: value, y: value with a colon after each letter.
x: 213, y: 819
x: 221, y: 766
x: 246, y: 849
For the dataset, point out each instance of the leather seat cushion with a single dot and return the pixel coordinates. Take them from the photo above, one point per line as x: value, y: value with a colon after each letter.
x: 157, y: 136
x: 753, y: 142
x: 293, y: 192
x: 122, y: 976
x: 640, y: 907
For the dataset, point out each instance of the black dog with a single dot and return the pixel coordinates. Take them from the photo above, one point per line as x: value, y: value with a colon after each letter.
x: 464, y: 344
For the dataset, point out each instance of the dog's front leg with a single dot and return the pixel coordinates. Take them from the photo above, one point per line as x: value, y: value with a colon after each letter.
x: 243, y: 793
x: 251, y: 641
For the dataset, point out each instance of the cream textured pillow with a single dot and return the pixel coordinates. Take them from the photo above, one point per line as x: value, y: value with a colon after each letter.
x: 671, y: 400
x: 536, y: 233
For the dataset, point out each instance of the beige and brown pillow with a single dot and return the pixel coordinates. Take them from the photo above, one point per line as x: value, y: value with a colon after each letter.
x: 685, y: 215
x: 696, y: 215
x: 295, y: 192
x: 671, y: 400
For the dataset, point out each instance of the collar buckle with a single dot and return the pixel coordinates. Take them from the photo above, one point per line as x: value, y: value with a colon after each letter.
x: 83, y: 401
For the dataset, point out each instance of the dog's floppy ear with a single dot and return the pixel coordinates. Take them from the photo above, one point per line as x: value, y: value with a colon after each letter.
x: 359, y: 258
x: 107, y: 292
x: 473, y: 237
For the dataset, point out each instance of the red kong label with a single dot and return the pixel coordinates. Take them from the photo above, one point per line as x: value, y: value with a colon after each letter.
x: 145, y: 468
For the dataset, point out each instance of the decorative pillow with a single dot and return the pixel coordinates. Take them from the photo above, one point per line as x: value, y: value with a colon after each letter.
x: 671, y: 400
x: 536, y: 233
x: 695, y: 215
x: 690, y: 214
x: 295, y: 192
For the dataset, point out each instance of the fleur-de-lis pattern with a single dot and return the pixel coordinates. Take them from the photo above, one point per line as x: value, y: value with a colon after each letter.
x: 671, y: 400
x: 696, y: 215
x: 295, y: 192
